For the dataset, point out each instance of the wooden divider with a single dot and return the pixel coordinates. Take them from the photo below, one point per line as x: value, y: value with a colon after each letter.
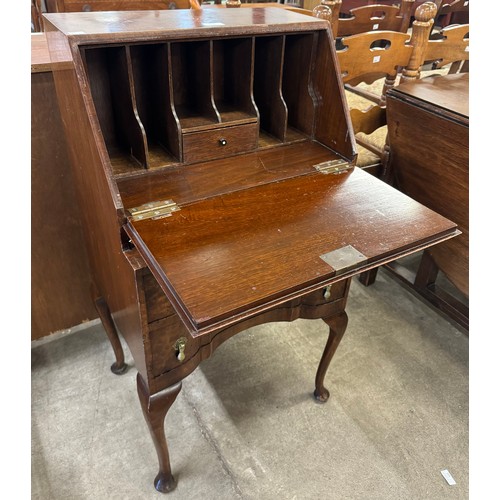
x: 148, y: 97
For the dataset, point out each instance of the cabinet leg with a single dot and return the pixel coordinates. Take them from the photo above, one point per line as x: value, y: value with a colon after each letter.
x: 119, y: 366
x: 338, y: 325
x: 155, y: 408
x: 367, y: 278
x: 427, y: 272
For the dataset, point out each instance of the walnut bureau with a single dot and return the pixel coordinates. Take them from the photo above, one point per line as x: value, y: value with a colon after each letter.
x: 214, y: 159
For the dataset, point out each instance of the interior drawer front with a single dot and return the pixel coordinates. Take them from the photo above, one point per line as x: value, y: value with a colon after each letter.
x: 219, y: 142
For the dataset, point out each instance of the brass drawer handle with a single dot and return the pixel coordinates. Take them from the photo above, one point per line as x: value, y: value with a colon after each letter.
x: 180, y: 346
x: 222, y: 142
x: 328, y: 292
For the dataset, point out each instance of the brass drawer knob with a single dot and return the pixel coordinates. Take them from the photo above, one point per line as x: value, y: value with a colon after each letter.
x: 222, y: 142
x: 180, y: 346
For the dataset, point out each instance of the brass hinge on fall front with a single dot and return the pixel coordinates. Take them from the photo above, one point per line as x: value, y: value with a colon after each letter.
x: 154, y: 210
x: 333, y: 167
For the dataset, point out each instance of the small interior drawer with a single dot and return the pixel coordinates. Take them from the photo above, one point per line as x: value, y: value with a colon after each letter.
x: 219, y: 142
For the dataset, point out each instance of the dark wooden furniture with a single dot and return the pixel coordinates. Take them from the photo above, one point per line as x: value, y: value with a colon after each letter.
x: 429, y: 137
x: 113, y: 5
x: 452, y: 12
x: 60, y: 274
x: 214, y: 160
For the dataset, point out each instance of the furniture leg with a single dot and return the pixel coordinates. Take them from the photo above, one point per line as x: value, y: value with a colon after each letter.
x: 427, y: 272
x: 155, y: 408
x: 338, y: 325
x: 119, y: 366
x: 367, y: 278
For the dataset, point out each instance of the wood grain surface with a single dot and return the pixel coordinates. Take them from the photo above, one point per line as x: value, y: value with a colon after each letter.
x: 234, y: 252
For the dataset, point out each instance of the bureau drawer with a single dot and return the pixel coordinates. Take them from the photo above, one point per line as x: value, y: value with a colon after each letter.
x: 219, y: 142
x: 163, y: 336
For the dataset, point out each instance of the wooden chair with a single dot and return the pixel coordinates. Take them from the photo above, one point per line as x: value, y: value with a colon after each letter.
x: 450, y: 48
x: 374, y: 17
x: 452, y: 12
x: 379, y: 56
x: 36, y: 16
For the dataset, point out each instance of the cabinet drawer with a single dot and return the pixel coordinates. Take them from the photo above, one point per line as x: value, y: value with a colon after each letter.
x: 163, y: 335
x: 219, y: 142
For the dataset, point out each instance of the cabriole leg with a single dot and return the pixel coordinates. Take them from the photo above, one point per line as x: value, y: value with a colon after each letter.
x: 338, y: 325
x: 119, y: 366
x: 155, y: 408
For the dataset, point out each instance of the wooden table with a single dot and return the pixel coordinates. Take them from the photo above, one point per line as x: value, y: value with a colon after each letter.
x: 428, y: 126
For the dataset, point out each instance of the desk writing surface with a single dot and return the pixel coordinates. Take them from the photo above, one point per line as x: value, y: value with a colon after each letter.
x: 189, y: 183
x: 224, y: 255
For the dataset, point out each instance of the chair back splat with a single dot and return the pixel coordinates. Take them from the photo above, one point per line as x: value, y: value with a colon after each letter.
x: 367, y: 58
x: 375, y: 17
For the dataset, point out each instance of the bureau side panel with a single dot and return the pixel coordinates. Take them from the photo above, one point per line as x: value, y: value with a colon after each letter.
x: 100, y: 206
x: 430, y: 161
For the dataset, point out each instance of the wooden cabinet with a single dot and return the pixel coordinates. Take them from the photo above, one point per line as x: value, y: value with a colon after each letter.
x: 214, y: 159
x: 60, y: 276
x: 429, y: 138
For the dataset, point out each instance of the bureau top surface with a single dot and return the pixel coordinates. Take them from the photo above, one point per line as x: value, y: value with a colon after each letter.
x: 181, y: 22
x: 448, y: 92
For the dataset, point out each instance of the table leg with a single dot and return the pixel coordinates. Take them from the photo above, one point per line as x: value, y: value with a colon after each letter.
x: 367, y: 278
x: 119, y: 366
x: 155, y: 408
x: 338, y: 325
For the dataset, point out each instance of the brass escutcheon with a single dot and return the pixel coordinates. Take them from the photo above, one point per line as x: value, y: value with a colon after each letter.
x: 328, y: 292
x: 180, y: 346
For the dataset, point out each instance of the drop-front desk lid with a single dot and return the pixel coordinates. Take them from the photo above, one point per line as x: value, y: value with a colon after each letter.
x: 232, y: 255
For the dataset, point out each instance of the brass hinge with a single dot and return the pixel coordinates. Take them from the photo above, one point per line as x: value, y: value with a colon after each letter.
x: 333, y: 167
x: 154, y: 210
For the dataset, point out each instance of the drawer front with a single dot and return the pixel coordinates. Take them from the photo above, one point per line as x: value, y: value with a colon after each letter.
x: 163, y: 335
x: 219, y: 142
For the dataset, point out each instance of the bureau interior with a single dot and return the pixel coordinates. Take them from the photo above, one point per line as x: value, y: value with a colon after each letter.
x: 154, y: 100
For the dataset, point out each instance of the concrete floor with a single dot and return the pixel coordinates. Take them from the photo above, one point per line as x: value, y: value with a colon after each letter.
x: 245, y: 425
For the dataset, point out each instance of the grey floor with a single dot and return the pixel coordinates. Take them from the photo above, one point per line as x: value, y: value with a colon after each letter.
x: 245, y: 425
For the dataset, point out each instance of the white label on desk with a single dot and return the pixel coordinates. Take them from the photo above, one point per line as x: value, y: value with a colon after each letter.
x: 376, y: 59
x: 449, y: 479
x: 375, y: 27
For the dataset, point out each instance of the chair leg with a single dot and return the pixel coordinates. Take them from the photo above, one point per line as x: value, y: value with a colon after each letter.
x: 119, y: 366
x: 155, y: 408
x: 338, y: 325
